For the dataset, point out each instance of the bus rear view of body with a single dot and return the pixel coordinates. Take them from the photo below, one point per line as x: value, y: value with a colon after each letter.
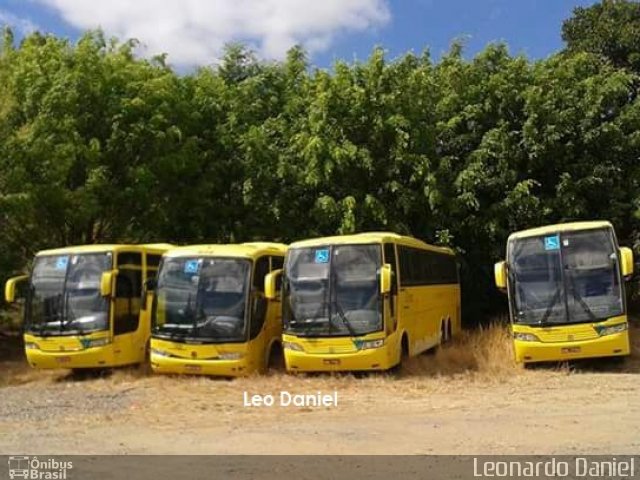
x: 566, y: 292
x: 210, y: 312
x: 82, y: 305
x: 362, y: 302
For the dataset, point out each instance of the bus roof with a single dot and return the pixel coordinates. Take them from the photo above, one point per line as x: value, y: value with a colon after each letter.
x: 112, y: 247
x: 370, y: 237
x: 248, y: 250
x: 559, y: 228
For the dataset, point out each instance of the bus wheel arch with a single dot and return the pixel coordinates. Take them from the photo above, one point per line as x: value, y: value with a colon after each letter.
x: 145, y: 364
x: 275, y: 357
x: 404, y: 346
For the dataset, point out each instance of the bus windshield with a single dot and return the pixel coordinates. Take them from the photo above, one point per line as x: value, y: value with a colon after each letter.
x: 333, y: 291
x: 203, y: 299
x: 571, y: 277
x: 65, y: 298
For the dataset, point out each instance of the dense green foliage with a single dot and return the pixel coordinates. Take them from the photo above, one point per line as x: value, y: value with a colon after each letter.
x: 97, y: 145
x: 610, y: 28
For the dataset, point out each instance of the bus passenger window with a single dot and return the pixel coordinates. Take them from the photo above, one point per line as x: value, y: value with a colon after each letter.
x: 128, y: 292
x: 259, y: 303
x: 390, y: 258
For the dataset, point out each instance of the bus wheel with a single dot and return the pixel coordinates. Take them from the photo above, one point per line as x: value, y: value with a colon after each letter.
x: 82, y: 374
x: 275, y: 361
x: 403, y: 355
x: 145, y: 365
x: 404, y: 352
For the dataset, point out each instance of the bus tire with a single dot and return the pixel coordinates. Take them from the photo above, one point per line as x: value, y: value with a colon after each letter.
x: 145, y: 365
x: 404, y: 347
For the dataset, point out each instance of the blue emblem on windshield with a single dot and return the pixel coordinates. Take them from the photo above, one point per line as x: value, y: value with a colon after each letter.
x: 552, y: 242
x: 191, y: 266
x: 62, y: 262
x: 322, y: 256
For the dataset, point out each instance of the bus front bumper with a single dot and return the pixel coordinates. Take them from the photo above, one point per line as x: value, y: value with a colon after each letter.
x: 615, y: 345
x: 186, y: 366
x: 374, y: 359
x: 96, y: 357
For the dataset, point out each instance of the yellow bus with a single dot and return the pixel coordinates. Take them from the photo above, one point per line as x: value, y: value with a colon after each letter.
x: 565, y: 285
x: 82, y: 305
x: 362, y: 302
x: 210, y: 314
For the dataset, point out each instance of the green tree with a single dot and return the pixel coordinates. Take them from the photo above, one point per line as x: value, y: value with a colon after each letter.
x: 610, y: 28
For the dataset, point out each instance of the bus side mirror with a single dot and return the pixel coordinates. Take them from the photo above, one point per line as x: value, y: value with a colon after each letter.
x: 385, y: 279
x: 626, y: 261
x: 149, y: 286
x: 500, y: 274
x: 10, y: 288
x: 106, y: 283
x: 271, y: 284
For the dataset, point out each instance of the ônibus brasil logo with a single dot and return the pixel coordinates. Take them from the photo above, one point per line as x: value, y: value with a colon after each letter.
x: 37, y: 469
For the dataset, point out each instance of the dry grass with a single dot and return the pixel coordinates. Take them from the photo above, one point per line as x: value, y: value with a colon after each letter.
x: 481, y: 355
x: 632, y: 364
x: 486, y: 352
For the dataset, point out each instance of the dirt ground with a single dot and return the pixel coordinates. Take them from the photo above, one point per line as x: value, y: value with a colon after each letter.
x: 468, y: 398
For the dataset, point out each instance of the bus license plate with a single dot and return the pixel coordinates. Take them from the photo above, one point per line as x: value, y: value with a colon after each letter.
x: 331, y: 361
x: 571, y: 350
x: 63, y: 359
x: 193, y: 368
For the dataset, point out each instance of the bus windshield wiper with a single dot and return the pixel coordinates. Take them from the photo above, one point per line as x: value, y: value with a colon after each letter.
x: 308, y: 324
x: 54, y: 314
x: 344, y: 319
x: 305, y: 326
x: 64, y: 311
x: 310, y: 321
x: 323, y: 309
x: 333, y: 300
x: 67, y: 317
x: 554, y: 300
x: 190, y: 314
x: 581, y: 301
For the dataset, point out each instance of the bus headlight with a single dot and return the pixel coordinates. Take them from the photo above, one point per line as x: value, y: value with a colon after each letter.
x: 525, y: 337
x: 159, y: 353
x: 368, y: 344
x: 95, y: 342
x: 31, y: 346
x: 621, y: 327
x: 292, y: 346
x: 230, y: 356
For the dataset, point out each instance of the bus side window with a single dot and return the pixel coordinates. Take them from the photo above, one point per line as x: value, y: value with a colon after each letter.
x: 277, y: 263
x: 259, y: 303
x: 153, y: 262
x: 128, y: 292
x: 408, y: 267
x: 390, y: 258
